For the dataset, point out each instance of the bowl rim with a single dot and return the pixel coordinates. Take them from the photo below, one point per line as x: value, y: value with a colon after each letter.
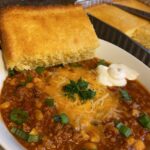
x: 108, y: 51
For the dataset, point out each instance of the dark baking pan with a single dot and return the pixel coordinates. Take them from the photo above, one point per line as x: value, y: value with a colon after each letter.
x: 134, y: 11
x: 4, y: 3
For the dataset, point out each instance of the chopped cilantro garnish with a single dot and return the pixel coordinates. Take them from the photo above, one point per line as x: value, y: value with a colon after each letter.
x: 125, y: 95
x: 71, y: 87
x: 80, y: 88
x: 70, y: 95
x: 87, y: 94
x: 40, y: 70
x: 82, y: 84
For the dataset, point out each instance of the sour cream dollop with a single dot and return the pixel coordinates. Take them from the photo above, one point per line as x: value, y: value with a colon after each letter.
x: 115, y: 74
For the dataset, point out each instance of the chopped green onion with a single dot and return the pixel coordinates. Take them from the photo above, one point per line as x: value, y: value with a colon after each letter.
x: 119, y: 125
x: 102, y: 62
x: 125, y: 95
x: 13, y: 130
x: 33, y: 138
x: 40, y: 70
x: 49, y: 102
x: 18, y: 116
x: 57, y: 118
x: 144, y: 120
x: 20, y: 133
x: 25, y: 136
x: 124, y: 130
x: 64, y: 118
x: 11, y: 72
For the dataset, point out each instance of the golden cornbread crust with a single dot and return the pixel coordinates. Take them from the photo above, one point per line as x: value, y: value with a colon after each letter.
x: 45, y: 36
x: 117, y: 18
x: 134, y: 4
x: 142, y: 35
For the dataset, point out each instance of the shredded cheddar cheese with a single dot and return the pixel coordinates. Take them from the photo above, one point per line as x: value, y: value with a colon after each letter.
x: 102, y: 106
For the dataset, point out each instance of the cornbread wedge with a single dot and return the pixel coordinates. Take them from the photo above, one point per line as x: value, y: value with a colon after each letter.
x: 134, y: 4
x: 142, y: 35
x: 45, y: 36
x: 147, y: 2
x: 117, y: 18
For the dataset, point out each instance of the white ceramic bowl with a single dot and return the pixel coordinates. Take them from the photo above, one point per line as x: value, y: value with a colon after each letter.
x: 106, y: 51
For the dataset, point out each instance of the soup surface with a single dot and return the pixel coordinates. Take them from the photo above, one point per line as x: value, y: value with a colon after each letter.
x: 65, y: 108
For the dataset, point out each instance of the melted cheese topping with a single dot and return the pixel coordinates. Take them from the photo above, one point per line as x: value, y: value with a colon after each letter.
x: 103, y: 106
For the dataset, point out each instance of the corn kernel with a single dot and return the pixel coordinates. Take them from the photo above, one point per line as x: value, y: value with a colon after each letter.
x: 4, y: 105
x: 38, y: 115
x: 85, y: 135
x: 13, y: 82
x: 90, y: 146
x: 38, y: 104
x: 95, y: 138
x: 135, y: 112
x: 94, y: 134
x: 35, y: 80
x: 34, y: 132
x: 131, y: 141
x: 29, y: 85
x: 139, y: 145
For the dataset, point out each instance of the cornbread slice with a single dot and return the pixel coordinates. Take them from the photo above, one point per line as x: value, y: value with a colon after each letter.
x: 134, y: 4
x: 142, y: 35
x: 117, y: 18
x: 45, y: 36
x: 147, y: 2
